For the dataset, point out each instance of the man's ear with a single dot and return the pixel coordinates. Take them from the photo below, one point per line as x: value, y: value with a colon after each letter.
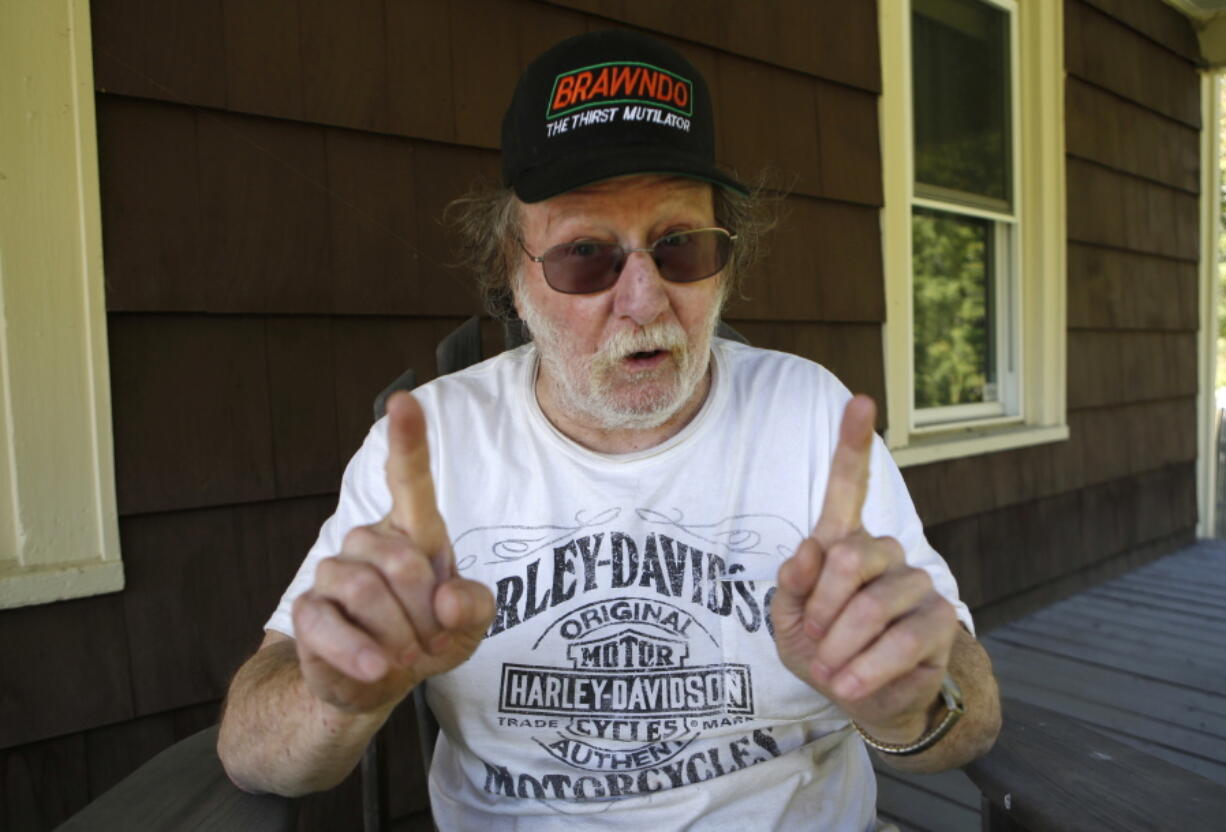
x: 514, y: 290
x: 513, y: 306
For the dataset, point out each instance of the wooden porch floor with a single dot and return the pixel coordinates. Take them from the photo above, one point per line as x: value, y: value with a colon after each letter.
x: 1141, y: 658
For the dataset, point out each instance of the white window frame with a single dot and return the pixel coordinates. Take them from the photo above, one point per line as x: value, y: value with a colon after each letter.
x: 1035, y: 317
x: 1209, y: 290
x: 59, y: 529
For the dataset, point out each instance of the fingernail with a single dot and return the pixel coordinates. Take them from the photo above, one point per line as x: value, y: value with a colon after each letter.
x: 459, y: 606
x: 370, y: 664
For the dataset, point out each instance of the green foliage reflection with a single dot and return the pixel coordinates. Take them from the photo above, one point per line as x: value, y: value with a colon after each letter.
x: 969, y: 165
x: 961, y: 90
x: 951, y: 257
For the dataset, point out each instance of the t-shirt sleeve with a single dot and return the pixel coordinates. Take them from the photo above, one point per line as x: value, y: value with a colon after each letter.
x: 889, y: 511
x: 364, y: 499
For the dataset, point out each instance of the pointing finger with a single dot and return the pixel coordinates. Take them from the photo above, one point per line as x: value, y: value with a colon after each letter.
x: 414, y: 507
x: 847, y: 485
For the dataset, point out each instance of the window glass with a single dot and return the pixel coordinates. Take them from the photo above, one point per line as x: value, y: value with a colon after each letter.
x: 974, y: 231
x: 953, y: 261
x: 960, y: 71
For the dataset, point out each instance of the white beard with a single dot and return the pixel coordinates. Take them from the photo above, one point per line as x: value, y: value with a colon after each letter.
x: 598, y: 390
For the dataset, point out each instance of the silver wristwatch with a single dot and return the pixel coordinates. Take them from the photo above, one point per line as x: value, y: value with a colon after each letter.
x: 951, y: 695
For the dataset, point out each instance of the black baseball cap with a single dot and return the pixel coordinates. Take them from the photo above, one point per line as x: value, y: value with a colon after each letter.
x: 607, y: 104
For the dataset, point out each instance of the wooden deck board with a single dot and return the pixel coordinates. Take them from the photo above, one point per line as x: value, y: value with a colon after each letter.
x: 1135, y: 642
x: 1192, y: 572
x: 1089, y: 629
x: 926, y: 808
x: 1097, y: 683
x: 1195, y: 591
x: 1208, y: 641
x: 1184, y: 572
x: 1173, y: 605
x: 1144, y: 660
x: 1187, y: 735
x: 1141, y: 658
x: 1167, y: 620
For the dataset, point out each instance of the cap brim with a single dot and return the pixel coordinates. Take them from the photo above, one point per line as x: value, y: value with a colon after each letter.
x: 566, y: 175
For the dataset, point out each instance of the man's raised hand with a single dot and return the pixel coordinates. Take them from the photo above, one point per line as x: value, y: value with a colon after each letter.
x: 851, y: 618
x: 390, y: 610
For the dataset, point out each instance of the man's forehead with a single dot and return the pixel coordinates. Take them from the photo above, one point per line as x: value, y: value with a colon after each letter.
x: 640, y: 192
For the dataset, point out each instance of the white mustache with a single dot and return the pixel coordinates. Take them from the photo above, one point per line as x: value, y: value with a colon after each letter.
x: 665, y: 336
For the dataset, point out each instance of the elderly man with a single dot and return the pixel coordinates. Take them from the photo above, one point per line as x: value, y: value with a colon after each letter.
x: 653, y: 576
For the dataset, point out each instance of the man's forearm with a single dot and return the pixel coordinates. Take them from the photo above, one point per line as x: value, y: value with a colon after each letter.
x: 975, y: 732
x: 277, y: 737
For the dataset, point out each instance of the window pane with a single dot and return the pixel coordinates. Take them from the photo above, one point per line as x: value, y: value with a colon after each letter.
x: 960, y: 69
x: 953, y: 260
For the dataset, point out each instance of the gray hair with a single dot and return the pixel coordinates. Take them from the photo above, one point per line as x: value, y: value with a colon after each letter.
x: 487, y: 221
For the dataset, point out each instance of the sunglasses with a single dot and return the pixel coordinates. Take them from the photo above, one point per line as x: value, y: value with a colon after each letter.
x: 588, y: 266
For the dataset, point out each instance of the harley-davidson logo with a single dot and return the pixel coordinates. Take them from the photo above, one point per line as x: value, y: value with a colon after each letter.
x: 630, y: 695
x: 629, y: 650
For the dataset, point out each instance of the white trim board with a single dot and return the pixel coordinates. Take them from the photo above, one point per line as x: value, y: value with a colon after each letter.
x: 59, y: 530
x: 1208, y: 291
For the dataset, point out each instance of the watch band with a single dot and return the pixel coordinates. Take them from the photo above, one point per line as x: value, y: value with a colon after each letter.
x: 951, y: 694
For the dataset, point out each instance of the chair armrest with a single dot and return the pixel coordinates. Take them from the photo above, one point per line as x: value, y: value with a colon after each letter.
x: 1048, y: 771
x: 184, y: 787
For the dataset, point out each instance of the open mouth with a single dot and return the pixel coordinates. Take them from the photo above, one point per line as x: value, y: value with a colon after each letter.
x: 646, y: 359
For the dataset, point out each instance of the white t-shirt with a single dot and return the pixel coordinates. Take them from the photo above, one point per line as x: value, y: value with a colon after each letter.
x: 629, y: 676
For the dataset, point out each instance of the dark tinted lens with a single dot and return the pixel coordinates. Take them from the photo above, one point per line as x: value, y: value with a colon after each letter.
x: 579, y: 268
x: 692, y: 255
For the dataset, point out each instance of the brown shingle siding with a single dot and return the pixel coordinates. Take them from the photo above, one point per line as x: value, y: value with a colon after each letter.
x: 1103, y: 51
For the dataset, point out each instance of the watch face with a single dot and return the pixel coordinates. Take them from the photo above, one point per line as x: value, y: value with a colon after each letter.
x: 952, y: 694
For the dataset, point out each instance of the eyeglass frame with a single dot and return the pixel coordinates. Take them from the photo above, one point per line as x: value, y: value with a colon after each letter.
x: 625, y: 255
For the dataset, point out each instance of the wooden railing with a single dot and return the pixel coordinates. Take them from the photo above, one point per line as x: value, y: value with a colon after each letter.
x: 1047, y: 773
x: 1051, y: 773
x: 184, y: 787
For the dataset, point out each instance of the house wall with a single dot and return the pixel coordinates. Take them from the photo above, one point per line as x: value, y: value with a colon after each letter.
x: 1023, y: 527
x: 272, y: 178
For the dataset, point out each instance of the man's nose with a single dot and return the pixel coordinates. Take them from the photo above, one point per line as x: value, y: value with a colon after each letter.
x: 641, y: 295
